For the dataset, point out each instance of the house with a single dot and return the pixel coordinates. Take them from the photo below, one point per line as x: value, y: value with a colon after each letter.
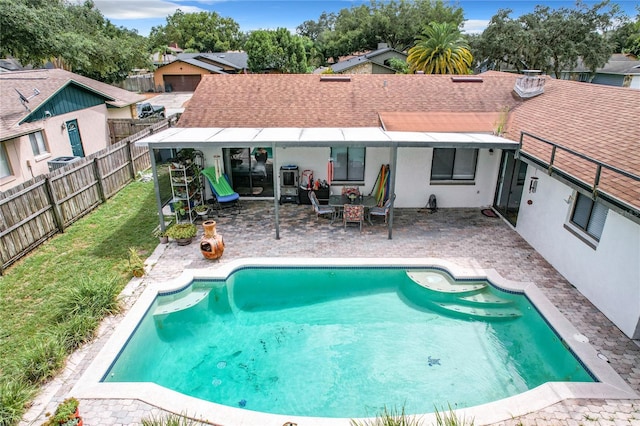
x: 622, y: 70
x: 50, y: 114
x: 184, y: 74
x: 564, y: 174
x: 374, y: 62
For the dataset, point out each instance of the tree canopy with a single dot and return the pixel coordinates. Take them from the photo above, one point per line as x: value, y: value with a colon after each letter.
x: 363, y: 27
x: 72, y: 36
x: 440, y: 50
x: 551, y: 40
x: 277, y: 50
x: 201, y: 32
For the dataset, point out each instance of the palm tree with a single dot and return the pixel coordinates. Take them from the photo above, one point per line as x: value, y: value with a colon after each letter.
x: 440, y: 50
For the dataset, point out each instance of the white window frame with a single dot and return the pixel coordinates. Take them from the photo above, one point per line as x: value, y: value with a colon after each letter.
x: 5, y: 164
x: 38, y: 144
x: 587, y: 219
x: 351, y: 153
x: 455, y: 174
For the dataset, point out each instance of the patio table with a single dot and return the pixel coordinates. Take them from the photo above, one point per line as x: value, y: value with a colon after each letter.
x: 368, y: 201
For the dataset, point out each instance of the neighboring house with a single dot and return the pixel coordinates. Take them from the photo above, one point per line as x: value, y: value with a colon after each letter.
x: 10, y: 64
x: 169, y: 55
x: 622, y: 70
x: 582, y: 213
x: 374, y: 62
x: 51, y: 113
x: 184, y: 74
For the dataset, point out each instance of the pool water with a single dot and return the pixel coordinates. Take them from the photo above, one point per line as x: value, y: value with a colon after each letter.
x: 342, y: 342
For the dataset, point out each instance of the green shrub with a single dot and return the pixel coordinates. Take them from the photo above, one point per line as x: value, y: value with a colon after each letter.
x: 14, y: 396
x: 451, y: 419
x: 76, y: 331
x: 97, y: 297
x: 391, y: 417
x: 168, y: 420
x: 42, y: 359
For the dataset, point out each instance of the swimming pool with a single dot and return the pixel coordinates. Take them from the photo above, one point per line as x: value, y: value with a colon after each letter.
x: 419, y: 329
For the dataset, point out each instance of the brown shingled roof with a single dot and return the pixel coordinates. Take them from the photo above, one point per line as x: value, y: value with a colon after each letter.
x: 599, y: 121
x: 595, y: 120
x: 304, y: 100
x: 47, y: 82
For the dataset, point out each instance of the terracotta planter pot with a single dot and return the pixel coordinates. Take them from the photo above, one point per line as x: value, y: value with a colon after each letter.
x: 212, y: 243
x: 184, y: 241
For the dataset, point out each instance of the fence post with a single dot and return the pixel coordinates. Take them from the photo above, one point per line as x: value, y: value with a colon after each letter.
x: 57, y: 214
x: 132, y: 168
x: 98, y: 177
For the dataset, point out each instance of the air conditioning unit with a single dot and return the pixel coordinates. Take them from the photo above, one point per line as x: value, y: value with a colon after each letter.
x: 58, y: 162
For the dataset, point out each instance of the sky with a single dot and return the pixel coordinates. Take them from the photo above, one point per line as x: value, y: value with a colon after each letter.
x: 142, y: 15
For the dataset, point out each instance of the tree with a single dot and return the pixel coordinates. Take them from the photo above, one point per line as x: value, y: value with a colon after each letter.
x: 277, y: 50
x: 363, y: 27
x: 440, y: 50
x: 202, y: 31
x: 551, y: 40
x: 73, y: 36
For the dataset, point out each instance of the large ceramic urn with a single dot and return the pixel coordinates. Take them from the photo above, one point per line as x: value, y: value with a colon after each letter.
x: 212, y: 244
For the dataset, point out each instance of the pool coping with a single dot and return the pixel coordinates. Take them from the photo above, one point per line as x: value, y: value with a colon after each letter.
x: 610, y: 385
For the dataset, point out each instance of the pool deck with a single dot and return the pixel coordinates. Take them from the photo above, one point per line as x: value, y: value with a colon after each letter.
x: 460, y: 236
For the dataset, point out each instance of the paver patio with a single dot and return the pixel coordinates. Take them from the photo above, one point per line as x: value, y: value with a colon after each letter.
x: 462, y: 236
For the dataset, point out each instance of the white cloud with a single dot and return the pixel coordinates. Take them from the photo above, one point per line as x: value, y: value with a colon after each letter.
x: 475, y: 26
x: 141, y: 9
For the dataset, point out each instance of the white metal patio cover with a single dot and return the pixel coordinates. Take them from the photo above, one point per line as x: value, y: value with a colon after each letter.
x: 199, y: 137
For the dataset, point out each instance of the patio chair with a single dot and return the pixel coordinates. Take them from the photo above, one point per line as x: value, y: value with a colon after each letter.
x: 319, y: 209
x: 224, y: 196
x: 381, y: 211
x: 353, y: 213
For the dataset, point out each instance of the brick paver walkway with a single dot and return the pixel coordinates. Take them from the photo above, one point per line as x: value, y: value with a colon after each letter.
x: 462, y: 236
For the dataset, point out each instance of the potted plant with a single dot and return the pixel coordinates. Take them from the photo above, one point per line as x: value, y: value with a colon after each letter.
x: 202, y: 209
x: 162, y: 236
x: 66, y: 414
x: 135, y: 263
x: 183, y: 233
x: 180, y: 208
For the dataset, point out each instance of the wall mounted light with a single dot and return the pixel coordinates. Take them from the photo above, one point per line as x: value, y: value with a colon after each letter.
x: 63, y: 126
x: 533, y: 185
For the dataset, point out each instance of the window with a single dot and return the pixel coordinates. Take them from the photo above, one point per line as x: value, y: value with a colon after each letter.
x: 589, y: 216
x: 348, y: 164
x: 5, y: 167
x: 37, y: 143
x: 454, y: 164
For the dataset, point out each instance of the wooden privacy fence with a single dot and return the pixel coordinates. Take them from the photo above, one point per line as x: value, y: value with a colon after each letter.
x: 122, y: 128
x: 37, y: 209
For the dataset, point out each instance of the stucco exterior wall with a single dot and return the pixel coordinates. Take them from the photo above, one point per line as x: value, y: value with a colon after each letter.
x: 92, y: 124
x: 609, y: 276
x: 128, y: 112
x: 413, y: 185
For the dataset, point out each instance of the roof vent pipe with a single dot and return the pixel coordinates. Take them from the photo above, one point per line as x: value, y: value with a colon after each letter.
x: 530, y: 84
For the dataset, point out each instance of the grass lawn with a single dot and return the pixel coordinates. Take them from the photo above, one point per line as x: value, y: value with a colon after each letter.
x: 52, y: 301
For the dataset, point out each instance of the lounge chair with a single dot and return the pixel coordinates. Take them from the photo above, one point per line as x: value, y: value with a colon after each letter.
x: 223, y: 194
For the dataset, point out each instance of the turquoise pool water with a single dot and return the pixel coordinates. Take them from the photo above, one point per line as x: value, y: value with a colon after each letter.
x: 343, y: 342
